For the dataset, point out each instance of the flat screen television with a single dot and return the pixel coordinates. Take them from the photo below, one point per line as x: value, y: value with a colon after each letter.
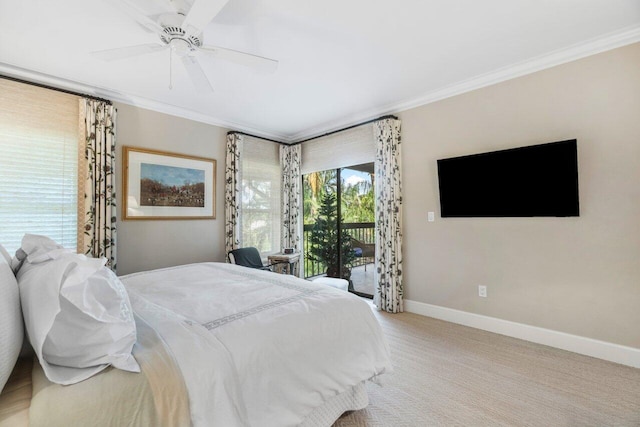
x: 538, y: 180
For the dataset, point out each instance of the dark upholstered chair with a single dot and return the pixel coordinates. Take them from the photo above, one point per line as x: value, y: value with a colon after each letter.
x: 248, y: 257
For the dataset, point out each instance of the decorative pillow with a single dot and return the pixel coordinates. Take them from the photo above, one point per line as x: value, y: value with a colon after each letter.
x: 11, y: 330
x: 76, y: 311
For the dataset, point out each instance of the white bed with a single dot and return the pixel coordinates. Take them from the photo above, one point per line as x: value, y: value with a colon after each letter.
x: 251, y: 348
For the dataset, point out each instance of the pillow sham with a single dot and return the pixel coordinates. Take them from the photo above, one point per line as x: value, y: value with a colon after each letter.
x: 11, y: 329
x: 77, y: 313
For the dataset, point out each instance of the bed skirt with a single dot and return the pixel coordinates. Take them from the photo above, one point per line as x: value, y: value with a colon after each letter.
x: 351, y: 400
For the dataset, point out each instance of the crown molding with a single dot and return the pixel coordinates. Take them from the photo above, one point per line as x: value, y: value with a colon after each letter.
x: 574, y: 52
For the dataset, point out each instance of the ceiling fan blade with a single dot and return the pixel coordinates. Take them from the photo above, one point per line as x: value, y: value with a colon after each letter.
x: 196, y: 73
x: 200, y: 14
x: 254, y: 61
x: 167, y: 5
x: 131, y: 9
x: 127, y: 52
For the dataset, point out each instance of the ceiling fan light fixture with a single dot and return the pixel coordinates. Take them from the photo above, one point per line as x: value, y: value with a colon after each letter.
x: 180, y: 47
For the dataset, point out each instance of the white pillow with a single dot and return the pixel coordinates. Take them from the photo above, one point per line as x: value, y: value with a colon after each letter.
x: 77, y: 314
x: 5, y: 254
x: 11, y: 330
x: 34, y: 249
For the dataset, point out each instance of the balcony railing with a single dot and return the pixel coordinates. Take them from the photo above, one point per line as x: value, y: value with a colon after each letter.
x: 363, y: 231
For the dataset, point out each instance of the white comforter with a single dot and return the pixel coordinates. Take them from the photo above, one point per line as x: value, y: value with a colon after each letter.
x: 258, y: 348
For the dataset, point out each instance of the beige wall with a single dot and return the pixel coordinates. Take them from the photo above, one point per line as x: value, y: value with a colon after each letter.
x: 577, y: 275
x: 145, y: 245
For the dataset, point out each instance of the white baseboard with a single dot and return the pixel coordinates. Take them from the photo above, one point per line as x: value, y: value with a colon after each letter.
x: 629, y: 356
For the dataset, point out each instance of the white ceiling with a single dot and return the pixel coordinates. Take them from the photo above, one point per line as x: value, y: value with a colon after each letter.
x: 341, y: 61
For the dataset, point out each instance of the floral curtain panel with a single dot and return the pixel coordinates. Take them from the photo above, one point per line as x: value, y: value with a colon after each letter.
x: 290, y: 157
x: 232, y: 192
x: 97, y: 205
x: 388, y: 188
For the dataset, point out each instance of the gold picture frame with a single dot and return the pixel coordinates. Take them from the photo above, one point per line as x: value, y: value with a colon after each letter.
x: 165, y: 185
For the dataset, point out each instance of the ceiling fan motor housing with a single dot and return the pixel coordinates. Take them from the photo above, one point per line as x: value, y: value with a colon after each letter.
x: 178, y: 39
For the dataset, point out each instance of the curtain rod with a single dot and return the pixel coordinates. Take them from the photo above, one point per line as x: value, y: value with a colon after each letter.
x: 57, y: 89
x: 389, y: 116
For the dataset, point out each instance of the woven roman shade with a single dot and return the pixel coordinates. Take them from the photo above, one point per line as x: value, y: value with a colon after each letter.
x: 38, y: 164
x: 350, y: 147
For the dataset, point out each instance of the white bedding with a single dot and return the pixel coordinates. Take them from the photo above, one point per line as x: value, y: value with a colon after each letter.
x: 258, y: 348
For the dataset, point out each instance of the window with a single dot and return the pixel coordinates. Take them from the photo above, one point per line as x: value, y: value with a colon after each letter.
x: 38, y: 164
x: 261, y: 178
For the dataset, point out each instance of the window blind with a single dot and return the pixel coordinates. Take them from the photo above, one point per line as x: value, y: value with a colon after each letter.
x: 354, y: 146
x: 261, y: 178
x: 39, y: 133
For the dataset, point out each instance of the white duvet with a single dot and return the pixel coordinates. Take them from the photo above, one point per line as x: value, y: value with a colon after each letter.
x: 258, y: 348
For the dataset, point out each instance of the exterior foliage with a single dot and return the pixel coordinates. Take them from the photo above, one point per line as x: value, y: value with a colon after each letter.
x: 315, y: 186
x: 358, y: 202
x: 324, y: 240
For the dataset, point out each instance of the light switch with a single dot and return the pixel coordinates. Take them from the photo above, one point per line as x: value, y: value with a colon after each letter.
x: 431, y: 216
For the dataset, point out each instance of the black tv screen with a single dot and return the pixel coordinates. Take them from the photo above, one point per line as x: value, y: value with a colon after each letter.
x: 539, y: 180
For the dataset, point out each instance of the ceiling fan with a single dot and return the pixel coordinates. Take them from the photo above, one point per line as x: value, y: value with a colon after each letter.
x: 180, y: 32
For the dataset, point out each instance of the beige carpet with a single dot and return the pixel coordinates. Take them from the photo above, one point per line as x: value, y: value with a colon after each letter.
x: 452, y: 375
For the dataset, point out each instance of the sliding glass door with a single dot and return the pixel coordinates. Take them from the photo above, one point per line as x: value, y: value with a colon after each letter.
x: 358, y: 216
x: 339, y: 226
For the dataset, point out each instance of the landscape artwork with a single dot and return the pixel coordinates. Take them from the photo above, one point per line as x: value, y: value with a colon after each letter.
x: 164, y: 185
x: 172, y: 186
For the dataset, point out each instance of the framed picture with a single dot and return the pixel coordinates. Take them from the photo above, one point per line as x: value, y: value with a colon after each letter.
x: 161, y: 185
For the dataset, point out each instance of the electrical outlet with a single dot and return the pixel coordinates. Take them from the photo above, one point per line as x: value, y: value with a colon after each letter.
x: 431, y: 216
x: 482, y: 291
